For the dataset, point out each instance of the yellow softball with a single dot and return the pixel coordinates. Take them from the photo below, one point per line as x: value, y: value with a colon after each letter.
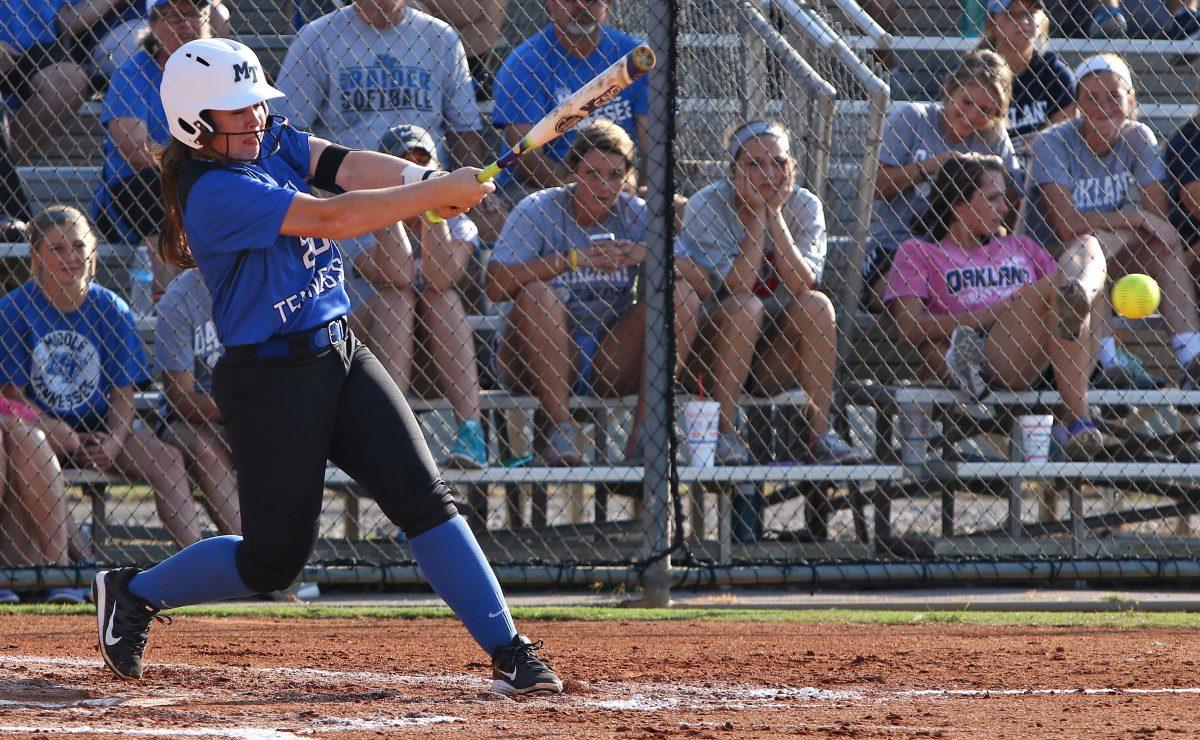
x: 1136, y: 296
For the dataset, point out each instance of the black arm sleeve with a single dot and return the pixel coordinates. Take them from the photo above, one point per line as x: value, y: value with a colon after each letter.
x: 328, y: 165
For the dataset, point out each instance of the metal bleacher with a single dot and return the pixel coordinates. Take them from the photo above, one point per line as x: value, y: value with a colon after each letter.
x: 877, y: 380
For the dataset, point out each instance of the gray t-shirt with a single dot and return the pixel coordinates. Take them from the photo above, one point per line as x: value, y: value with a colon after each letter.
x: 462, y: 228
x: 542, y: 224
x: 713, y: 234
x: 185, y: 338
x: 1061, y: 157
x: 350, y: 82
x: 914, y: 132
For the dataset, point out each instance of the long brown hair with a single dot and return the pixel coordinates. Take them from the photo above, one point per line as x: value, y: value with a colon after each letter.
x: 173, y: 245
x: 986, y: 69
x: 58, y: 216
x: 955, y: 183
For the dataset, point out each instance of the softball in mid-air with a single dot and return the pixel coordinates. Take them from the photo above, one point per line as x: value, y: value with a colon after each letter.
x: 1136, y: 296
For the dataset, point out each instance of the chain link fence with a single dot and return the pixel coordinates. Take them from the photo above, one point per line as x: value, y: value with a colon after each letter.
x: 754, y: 321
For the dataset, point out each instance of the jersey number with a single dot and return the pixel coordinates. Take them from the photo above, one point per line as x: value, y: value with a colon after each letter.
x: 312, y: 250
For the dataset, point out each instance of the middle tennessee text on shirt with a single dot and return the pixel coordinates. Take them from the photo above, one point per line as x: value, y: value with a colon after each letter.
x: 950, y: 280
x: 1062, y: 157
x: 68, y: 362
x: 263, y: 283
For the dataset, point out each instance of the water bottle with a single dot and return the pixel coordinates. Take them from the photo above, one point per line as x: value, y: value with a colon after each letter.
x: 141, y: 287
x: 916, y: 432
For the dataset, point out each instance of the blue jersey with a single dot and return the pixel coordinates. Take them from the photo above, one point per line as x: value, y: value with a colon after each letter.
x: 540, y: 73
x: 24, y: 23
x: 132, y: 93
x: 263, y: 284
x: 68, y: 362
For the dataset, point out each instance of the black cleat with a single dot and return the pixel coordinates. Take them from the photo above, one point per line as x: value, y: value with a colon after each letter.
x: 517, y: 670
x: 123, y: 621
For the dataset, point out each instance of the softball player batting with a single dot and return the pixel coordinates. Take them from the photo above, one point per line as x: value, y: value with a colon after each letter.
x: 295, y: 387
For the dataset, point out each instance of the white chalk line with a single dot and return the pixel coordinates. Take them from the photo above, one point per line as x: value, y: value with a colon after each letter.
x: 610, y: 695
x: 328, y: 724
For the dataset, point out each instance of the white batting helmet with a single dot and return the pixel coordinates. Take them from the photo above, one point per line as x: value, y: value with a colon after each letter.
x: 210, y: 74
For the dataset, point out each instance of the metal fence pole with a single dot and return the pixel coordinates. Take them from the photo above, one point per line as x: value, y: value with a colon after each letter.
x: 660, y: 165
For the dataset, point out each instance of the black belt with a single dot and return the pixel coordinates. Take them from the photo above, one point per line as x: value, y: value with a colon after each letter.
x: 300, y: 343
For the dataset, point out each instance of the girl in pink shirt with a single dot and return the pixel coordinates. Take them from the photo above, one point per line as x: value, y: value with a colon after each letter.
x: 988, y: 308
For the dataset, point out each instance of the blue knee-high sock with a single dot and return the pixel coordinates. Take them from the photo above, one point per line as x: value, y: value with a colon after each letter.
x: 203, y: 572
x: 454, y: 565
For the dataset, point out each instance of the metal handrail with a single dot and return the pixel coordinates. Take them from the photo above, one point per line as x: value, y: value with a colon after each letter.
x: 823, y: 93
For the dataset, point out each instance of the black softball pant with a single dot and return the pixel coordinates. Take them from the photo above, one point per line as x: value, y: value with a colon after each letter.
x: 285, y: 417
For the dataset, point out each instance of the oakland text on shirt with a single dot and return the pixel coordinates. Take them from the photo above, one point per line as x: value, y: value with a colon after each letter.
x: 587, y: 284
x: 66, y: 370
x: 992, y: 278
x: 1101, y: 193
x: 206, y: 346
x: 385, y: 85
x: 1031, y: 115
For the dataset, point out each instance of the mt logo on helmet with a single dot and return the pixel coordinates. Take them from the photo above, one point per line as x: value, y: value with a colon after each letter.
x: 245, y: 71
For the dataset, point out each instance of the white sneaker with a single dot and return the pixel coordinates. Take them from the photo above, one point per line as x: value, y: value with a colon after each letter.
x: 965, y: 360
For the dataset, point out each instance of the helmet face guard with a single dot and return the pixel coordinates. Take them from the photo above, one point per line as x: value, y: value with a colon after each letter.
x: 270, y: 139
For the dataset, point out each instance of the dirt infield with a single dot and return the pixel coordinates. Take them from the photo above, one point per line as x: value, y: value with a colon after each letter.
x: 285, y: 678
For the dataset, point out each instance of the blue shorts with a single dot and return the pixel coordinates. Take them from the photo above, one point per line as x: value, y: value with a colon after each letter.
x: 587, y: 344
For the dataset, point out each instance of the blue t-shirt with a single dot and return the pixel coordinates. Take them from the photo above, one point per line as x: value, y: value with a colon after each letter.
x: 263, y: 283
x: 132, y: 93
x: 540, y: 73
x: 1046, y: 87
x: 24, y: 23
x: 1182, y: 158
x: 68, y: 363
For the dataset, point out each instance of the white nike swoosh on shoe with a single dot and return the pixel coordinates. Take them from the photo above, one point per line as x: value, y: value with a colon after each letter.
x: 510, y: 676
x: 109, y: 638
x: 493, y: 615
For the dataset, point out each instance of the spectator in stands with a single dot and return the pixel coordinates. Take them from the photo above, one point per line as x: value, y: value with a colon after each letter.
x: 127, y: 37
x: 35, y: 523
x: 38, y: 77
x: 407, y: 285
x: 568, y: 260
x: 72, y: 347
x: 549, y: 66
x: 128, y: 206
x: 1182, y: 159
x: 1080, y: 180
x: 186, y: 349
x: 1043, y: 86
x: 985, y: 307
x: 761, y: 241
x: 919, y: 138
x: 479, y: 23
x: 353, y: 74
x: 356, y: 72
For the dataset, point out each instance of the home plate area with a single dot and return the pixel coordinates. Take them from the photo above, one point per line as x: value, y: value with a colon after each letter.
x: 286, y: 678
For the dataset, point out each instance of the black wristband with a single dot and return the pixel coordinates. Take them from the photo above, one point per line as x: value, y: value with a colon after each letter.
x: 328, y: 165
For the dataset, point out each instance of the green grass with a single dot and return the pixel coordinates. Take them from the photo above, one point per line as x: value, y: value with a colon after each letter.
x: 1111, y: 619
